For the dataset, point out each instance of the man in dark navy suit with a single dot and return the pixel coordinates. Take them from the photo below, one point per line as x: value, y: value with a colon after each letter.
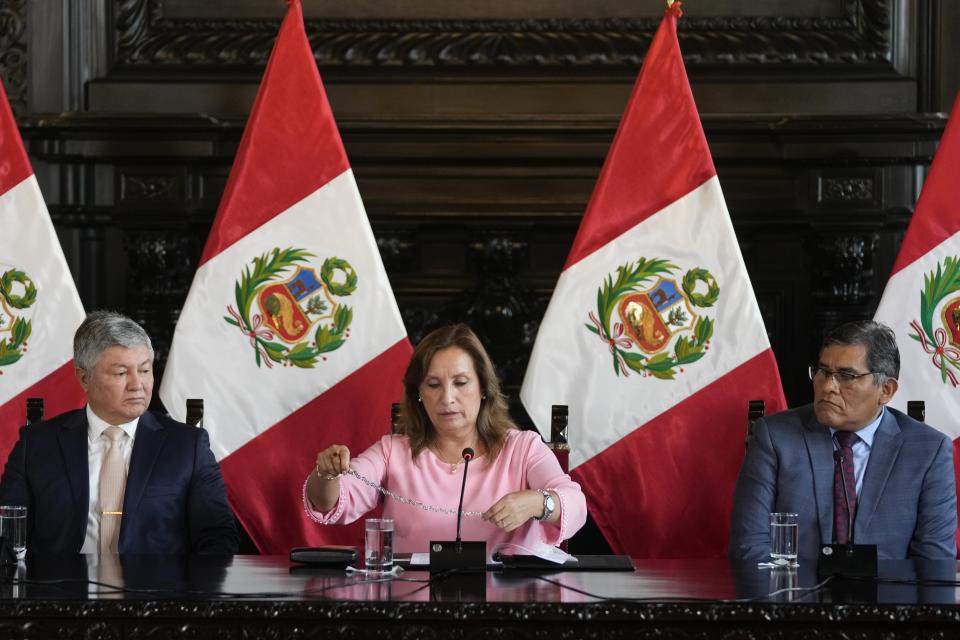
x: 114, y: 477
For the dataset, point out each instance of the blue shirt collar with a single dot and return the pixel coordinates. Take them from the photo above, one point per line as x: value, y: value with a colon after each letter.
x: 868, y: 432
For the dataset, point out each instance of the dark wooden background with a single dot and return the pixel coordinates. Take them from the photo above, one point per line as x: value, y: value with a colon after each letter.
x: 477, y: 130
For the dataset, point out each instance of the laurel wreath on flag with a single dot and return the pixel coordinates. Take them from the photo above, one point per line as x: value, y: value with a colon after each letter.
x: 12, y: 348
x: 686, y: 350
x: 328, y: 337
x: 937, y: 285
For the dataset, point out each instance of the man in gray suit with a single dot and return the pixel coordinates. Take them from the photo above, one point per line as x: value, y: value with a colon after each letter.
x: 898, y: 473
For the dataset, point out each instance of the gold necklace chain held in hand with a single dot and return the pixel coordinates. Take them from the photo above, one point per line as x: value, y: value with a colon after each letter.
x: 410, y: 501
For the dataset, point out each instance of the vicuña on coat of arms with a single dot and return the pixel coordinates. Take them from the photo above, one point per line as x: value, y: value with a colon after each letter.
x: 652, y: 324
x: 17, y: 295
x: 288, y: 311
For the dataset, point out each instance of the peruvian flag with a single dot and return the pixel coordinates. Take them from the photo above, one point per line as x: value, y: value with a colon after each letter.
x: 653, y: 336
x: 290, y: 333
x: 921, y: 302
x: 39, y: 306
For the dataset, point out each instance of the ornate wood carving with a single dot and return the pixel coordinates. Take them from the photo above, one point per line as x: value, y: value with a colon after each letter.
x: 156, y: 189
x: 846, y: 190
x: 843, y: 270
x: 319, y: 619
x: 145, y: 39
x: 13, y: 52
x: 161, y: 268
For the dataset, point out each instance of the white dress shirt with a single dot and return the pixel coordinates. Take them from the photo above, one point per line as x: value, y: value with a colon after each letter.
x: 97, y: 445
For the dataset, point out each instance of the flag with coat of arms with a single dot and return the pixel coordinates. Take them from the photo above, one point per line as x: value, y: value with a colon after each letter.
x: 290, y: 333
x: 39, y: 306
x: 653, y: 336
x: 921, y: 301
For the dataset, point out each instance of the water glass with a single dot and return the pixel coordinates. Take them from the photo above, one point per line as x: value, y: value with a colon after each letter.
x: 783, y: 539
x: 378, y: 544
x: 13, y: 527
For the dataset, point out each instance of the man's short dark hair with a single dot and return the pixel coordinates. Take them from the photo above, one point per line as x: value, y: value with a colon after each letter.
x: 883, y: 356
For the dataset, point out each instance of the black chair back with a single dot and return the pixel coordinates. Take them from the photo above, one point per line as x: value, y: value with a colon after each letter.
x: 917, y: 409
x: 195, y: 412
x: 34, y: 410
x: 755, y: 411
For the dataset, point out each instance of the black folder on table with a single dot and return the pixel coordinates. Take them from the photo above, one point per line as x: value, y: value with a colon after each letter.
x: 581, y: 563
x: 532, y: 563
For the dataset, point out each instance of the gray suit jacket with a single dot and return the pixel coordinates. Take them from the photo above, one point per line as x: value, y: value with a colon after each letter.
x: 907, y: 505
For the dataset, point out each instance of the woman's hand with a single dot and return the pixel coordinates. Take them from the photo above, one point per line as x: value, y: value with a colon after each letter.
x: 333, y: 462
x: 515, y: 509
x: 323, y: 487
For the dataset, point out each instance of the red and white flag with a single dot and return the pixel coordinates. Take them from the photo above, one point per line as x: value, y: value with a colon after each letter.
x: 290, y: 333
x: 653, y: 336
x: 921, y: 302
x: 39, y: 306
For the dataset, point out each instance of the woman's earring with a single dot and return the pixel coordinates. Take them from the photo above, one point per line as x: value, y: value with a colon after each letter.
x: 419, y: 399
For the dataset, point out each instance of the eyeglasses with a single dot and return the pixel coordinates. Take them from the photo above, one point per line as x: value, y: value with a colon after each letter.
x: 842, y: 378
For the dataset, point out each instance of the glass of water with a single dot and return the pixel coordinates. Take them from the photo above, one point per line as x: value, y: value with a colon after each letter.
x: 13, y: 527
x: 783, y: 539
x: 378, y: 544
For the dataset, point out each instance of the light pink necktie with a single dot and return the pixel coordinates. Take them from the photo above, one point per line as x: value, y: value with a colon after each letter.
x: 113, y: 480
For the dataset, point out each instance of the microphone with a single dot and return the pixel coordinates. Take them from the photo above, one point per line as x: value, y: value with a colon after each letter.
x: 838, y: 456
x: 470, y: 556
x: 857, y: 560
x: 467, y: 455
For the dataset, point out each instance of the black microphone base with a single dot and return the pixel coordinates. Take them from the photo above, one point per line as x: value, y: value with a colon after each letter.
x: 854, y: 560
x: 465, y: 557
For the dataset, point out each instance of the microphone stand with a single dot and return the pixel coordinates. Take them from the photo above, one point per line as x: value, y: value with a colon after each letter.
x: 459, y: 568
x: 470, y: 556
x: 855, y: 560
x: 467, y: 457
x: 838, y: 456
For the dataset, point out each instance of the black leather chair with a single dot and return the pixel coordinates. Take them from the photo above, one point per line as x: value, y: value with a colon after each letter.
x: 194, y: 411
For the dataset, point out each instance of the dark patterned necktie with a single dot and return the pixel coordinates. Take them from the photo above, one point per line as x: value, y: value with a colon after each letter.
x: 841, y: 518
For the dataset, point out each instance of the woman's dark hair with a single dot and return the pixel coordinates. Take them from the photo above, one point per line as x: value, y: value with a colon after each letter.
x: 493, y: 420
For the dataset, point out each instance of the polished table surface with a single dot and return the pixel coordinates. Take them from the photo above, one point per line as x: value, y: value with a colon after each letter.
x: 263, y: 596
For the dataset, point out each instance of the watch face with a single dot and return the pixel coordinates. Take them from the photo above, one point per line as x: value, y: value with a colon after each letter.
x: 548, y: 501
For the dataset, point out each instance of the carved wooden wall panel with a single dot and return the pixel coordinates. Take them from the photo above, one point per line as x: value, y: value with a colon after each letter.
x: 483, y: 242
x: 13, y: 51
x: 152, y: 35
x: 477, y: 136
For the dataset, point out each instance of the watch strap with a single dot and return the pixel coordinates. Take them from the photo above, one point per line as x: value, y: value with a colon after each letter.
x: 548, y: 507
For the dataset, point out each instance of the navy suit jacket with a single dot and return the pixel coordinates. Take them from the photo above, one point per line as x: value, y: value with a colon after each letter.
x: 175, y: 501
x: 907, y: 505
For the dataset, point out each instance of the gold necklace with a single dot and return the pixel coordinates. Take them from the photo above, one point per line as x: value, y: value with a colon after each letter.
x: 453, y: 465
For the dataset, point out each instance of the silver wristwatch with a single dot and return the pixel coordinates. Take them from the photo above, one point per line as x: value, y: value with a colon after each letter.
x: 549, y: 505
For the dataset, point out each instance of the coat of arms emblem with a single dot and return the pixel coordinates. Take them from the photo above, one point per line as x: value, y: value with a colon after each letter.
x: 941, y: 341
x: 17, y: 294
x: 651, y: 323
x: 290, y: 312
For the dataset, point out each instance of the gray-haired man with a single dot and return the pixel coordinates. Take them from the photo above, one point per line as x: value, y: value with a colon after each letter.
x: 114, y: 477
